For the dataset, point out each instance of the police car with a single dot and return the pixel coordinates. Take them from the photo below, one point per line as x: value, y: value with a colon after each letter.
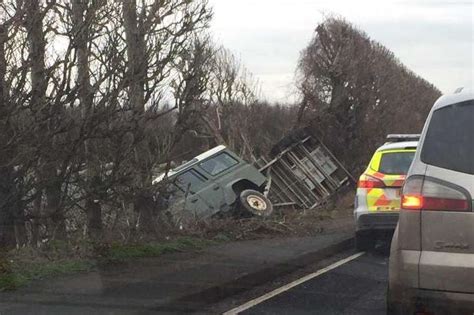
x: 377, y: 202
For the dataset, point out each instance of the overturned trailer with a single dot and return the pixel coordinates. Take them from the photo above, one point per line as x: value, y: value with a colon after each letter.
x: 302, y: 171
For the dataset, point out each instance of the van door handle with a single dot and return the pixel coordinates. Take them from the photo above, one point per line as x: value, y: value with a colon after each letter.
x: 194, y: 200
x: 216, y: 188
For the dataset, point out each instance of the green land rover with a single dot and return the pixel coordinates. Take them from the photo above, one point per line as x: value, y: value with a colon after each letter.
x: 215, y: 182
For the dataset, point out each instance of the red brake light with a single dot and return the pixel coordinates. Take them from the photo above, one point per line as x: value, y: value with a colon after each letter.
x: 445, y: 204
x: 370, y: 182
x: 421, y: 193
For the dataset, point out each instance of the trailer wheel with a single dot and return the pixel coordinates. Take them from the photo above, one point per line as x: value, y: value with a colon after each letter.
x: 256, y: 203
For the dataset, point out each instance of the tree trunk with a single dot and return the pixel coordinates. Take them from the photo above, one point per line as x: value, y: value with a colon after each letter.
x: 137, y: 64
x: 143, y: 202
x: 39, y: 83
x: 7, y: 219
x: 81, y: 36
x: 35, y: 222
x: 37, y: 44
x: 21, y: 235
x: 53, y: 209
x: 137, y: 67
x: 7, y: 183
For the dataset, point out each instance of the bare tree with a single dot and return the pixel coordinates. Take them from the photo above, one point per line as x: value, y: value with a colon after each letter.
x: 226, y: 109
x: 155, y: 34
x: 85, y: 17
x: 7, y: 233
x: 232, y: 90
x: 356, y: 88
x: 41, y: 108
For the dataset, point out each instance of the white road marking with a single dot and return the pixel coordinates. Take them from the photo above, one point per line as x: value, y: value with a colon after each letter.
x: 291, y: 285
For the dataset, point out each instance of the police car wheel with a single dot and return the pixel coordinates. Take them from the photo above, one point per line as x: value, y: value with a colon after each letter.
x: 256, y: 203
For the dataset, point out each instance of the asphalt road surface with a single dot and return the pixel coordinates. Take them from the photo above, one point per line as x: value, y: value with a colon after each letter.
x: 356, y: 287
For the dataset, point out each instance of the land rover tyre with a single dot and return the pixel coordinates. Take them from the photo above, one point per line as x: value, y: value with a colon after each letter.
x: 256, y: 203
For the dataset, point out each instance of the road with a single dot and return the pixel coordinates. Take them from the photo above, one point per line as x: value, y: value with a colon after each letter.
x: 356, y: 287
x: 343, y: 282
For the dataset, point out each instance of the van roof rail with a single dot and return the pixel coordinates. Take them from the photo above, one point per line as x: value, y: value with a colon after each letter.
x: 403, y: 137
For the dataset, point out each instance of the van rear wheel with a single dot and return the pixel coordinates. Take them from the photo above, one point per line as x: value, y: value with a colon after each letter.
x: 256, y: 203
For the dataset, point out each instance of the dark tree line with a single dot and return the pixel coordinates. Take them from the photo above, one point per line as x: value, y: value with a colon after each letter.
x: 355, y: 92
x: 99, y: 96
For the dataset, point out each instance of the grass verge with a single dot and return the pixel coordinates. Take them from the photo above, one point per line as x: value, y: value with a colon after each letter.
x: 17, y: 271
x: 22, y: 273
x: 122, y: 252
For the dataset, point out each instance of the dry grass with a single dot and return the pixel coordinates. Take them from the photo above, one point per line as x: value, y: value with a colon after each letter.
x: 288, y: 222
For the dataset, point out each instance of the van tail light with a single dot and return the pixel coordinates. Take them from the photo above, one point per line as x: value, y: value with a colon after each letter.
x: 370, y: 182
x: 423, y: 193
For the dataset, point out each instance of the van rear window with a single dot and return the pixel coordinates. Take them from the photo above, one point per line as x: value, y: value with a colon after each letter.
x: 449, y: 141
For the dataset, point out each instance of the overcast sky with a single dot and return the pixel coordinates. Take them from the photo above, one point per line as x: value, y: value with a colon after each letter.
x: 434, y: 38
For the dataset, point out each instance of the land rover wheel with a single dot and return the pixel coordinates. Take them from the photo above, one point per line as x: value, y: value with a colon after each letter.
x: 256, y: 203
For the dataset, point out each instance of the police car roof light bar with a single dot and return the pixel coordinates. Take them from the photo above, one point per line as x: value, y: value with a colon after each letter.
x: 403, y: 137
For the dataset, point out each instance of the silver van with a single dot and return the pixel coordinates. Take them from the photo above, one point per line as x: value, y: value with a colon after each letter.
x: 431, y: 267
